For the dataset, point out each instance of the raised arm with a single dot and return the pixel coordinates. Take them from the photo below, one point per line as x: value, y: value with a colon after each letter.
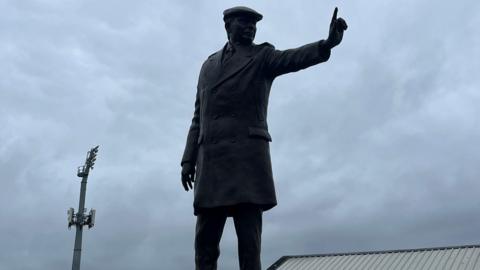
x: 280, y: 62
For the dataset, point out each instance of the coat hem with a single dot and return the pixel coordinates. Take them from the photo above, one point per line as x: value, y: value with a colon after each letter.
x: 263, y: 206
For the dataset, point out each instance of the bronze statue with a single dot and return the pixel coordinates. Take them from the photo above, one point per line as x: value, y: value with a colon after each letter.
x: 227, y: 155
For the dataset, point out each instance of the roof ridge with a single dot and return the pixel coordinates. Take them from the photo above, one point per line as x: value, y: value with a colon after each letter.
x: 383, y: 251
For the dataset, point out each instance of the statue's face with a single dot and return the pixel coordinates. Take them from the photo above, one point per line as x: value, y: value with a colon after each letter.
x: 242, y: 29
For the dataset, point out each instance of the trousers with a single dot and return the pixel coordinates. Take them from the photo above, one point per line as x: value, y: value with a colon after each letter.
x: 209, y: 228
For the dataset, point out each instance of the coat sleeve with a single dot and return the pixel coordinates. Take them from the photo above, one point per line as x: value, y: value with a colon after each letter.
x: 191, y: 148
x: 281, y: 62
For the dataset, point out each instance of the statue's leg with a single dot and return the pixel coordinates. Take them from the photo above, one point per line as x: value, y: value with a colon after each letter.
x: 248, y: 225
x: 209, y: 229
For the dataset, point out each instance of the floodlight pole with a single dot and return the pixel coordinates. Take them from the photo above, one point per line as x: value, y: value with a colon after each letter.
x: 81, y: 218
x: 77, y: 249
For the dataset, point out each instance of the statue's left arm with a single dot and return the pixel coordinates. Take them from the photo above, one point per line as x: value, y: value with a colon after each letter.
x: 279, y: 62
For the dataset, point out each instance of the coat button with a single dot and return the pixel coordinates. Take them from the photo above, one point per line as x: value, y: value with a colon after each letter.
x: 234, y: 115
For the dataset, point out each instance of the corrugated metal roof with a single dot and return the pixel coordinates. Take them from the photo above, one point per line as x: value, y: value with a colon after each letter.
x: 440, y: 258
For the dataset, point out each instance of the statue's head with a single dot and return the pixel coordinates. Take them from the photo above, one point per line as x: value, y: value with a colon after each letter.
x: 241, y: 24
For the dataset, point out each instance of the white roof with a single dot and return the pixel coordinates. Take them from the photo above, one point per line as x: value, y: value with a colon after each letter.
x: 441, y: 258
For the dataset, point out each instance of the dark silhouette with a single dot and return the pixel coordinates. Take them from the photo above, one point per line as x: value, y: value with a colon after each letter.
x: 227, y: 154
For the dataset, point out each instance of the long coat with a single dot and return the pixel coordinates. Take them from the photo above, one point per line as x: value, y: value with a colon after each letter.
x: 228, y: 139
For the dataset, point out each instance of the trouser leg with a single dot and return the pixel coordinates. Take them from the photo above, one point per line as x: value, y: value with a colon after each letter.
x: 208, y: 233
x: 248, y: 225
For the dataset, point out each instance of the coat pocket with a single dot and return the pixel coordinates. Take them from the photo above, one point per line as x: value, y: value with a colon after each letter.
x: 257, y: 132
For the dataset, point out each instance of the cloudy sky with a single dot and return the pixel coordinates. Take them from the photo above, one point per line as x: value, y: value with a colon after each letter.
x: 376, y: 149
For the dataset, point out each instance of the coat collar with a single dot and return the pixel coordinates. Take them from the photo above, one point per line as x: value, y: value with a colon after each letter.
x: 224, y: 71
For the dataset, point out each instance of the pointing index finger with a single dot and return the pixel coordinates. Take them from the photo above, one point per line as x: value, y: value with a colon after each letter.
x: 334, y: 17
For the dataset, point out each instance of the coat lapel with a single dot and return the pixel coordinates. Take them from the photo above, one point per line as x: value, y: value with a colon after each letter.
x: 215, y: 69
x: 231, y: 67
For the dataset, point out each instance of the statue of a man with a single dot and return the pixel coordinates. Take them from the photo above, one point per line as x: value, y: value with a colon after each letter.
x: 227, y: 155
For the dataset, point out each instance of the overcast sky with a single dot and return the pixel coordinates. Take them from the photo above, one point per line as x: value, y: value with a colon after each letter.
x: 378, y: 148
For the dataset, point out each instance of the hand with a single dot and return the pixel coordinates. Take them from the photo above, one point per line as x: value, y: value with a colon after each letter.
x: 188, y: 174
x: 337, y: 26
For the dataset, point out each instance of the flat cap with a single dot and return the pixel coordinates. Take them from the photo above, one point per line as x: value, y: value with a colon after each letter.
x: 241, y: 11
